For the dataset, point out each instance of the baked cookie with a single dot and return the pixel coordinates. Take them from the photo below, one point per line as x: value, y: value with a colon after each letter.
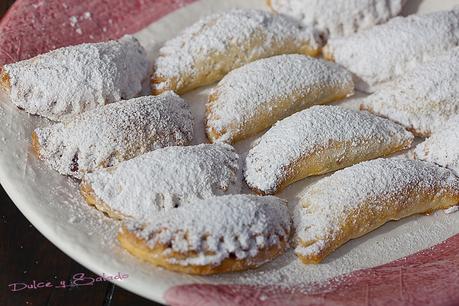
x: 203, y: 53
x: 71, y: 80
x: 359, y: 199
x: 254, y: 97
x: 163, y: 179
x: 442, y: 147
x: 423, y: 99
x: 318, y: 140
x: 387, y: 51
x: 339, y: 17
x: 216, y: 235
x: 108, y: 135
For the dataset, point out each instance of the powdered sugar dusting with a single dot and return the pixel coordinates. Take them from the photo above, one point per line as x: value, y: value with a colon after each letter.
x: 442, y: 147
x: 423, y: 99
x: 219, y: 43
x: 272, y: 89
x: 452, y: 210
x: 167, y: 178
x: 250, y: 224
x: 313, y: 131
x: 107, y: 135
x: 68, y: 81
x: 339, y: 18
x: 74, y: 21
x: 387, y: 51
x: 382, y: 187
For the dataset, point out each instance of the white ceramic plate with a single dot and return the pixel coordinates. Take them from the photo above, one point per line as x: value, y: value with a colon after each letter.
x: 53, y: 205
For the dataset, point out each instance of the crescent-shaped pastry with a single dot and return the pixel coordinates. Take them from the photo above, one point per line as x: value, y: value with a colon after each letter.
x: 318, y: 140
x: 203, y: 53
x: 423, y: 99
x: 257, y: 95
x: 71, y: 80
x: 387, y: 51
x: 442, y: 148
x: 359, y: 199
x: 339, y: 17
x: 108, y: 135
x: 216, y: 235
x: 163, y: 179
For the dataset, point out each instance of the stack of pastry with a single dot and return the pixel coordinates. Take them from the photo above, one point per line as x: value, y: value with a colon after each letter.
x: 180, y: 202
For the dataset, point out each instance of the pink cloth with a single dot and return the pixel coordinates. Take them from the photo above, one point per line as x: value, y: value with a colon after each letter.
x: 32, y: 27
x: 430, y: 277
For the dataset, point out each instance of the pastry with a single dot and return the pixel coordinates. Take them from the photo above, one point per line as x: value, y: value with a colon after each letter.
x: 216, y: 235
x: 163, y: 179
x: 387, y: 51
x: 361, y: 198
x: 423, y: 99
x: 71, y: 80
x: 254, y: 97
x: 339, y: 17
x: 316, y: 141
x: 204, y: 52
x: 442, y: 148
x: 108, y: 135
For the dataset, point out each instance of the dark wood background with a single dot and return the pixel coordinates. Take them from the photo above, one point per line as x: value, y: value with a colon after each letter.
x: 25, y: 256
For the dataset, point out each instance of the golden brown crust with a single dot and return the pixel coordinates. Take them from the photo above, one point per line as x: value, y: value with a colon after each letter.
x: 260, y: 123
x: 314, y: 165
x: 313, y: 259
x: 35, y: 144
x: 172, y: 85
x: 184, y: 83
x: 327, y: 54
x: 211, y: 134
x: 209, y: 67
x: 318, y: 164
x: 90, y: 197
x: 270, y: 4
x: 5, y: 82
x: 155, y: 256
x: 349, y: 229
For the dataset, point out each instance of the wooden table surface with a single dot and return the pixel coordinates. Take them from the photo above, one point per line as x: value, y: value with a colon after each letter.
x: 27, y: 256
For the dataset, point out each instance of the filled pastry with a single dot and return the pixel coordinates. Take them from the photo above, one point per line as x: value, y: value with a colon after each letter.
x: 108, y: 135
x: 359, y: 199
x: 204, y: 52
x: 423, y: 99
x: 216, y: 235
x: 163, y: 179
x: 316, y: 141
x: 442, y: 148
x: 339, y: 17
x: 71, y: 80
x: 257, y: 95
x: 387, y: 51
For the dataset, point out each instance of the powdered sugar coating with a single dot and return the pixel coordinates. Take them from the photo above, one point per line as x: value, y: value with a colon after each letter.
x: 365, y: 196
x: 68, y: 81
x: 387, y: 51
x: 167, y: 178
x: 423, y: 99
x: 108, y: 135
x: 217, y: 228
x: 315, y: 132
x: 207, y: 50
x: 442, y: 147
x: 339, y: 17
x: 452, y: 210
x: 272, y: 89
